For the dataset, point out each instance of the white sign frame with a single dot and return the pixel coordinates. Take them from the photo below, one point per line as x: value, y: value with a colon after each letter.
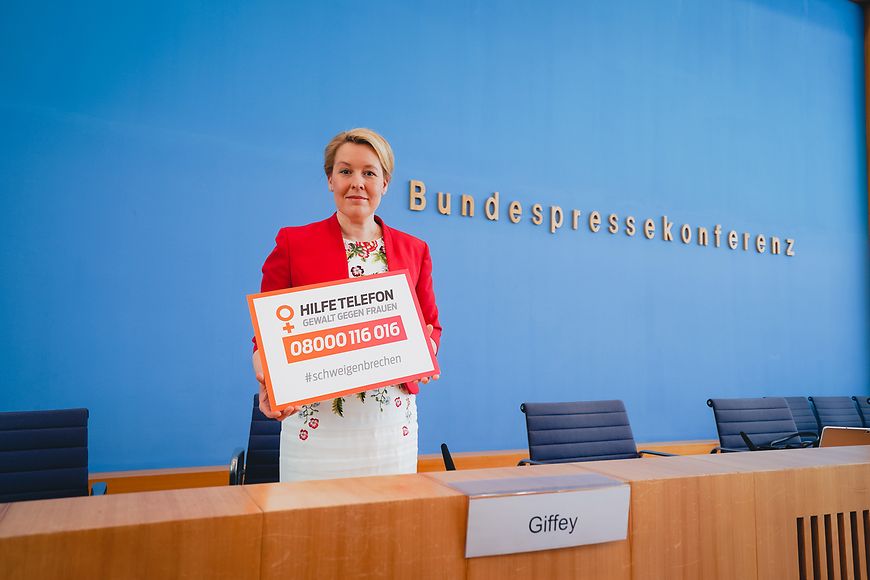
x: 337, y: 338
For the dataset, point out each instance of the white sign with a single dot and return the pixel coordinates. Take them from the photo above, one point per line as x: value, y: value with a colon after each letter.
x: 327, y: 340
x: 544, y: 521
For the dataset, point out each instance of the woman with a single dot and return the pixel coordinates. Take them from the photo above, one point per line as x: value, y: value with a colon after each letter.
x: 375, y: 432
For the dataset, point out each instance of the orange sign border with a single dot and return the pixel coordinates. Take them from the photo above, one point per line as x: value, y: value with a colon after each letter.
x: 346, y: 281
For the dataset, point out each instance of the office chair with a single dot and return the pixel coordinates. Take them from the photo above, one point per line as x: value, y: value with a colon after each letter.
x: 43, y: 454
x: 837, y: 411
x: 579, y: 431
x: 261, y: 463
x: 863, y: 402
x: 804, y: 418
x: 757, y: 424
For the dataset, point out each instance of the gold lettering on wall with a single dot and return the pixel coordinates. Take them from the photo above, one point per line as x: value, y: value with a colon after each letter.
x: 490, y: 208
x: 515, y: 212
x: 444, y: 203
x: 492, y: 212
x: 555, y: 218
x: 467, y: 205
x: 418, y: 196
x: 594, y: 221
x: 686, y: 233
x: 732, y: 240
x: 667, y: 236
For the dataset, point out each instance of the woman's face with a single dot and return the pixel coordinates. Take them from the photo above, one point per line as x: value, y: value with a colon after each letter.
x: 357, y: 181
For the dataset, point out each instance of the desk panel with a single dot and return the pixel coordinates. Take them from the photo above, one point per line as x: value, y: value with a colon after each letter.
x: 213, y: 532
x: 689, y: 519
x: 404, y: 526
x: 829, y: 502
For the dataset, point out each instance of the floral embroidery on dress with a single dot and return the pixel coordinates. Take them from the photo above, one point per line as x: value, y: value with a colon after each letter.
x: 306, y: 413
x: 380, y: 256
x: 364, y: 250
x: 381, y: 396
x: 408, y: 415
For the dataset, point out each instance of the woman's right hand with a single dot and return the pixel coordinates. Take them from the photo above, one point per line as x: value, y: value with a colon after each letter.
x: 264, y: 397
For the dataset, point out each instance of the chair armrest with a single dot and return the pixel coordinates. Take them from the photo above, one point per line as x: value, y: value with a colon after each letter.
x: 659, y: 453
x: 752, y: 446
x: 99, y: 488
x: 815, y: 438
x: 529, y: 462
x: 719, y: 449
x: 782, y: 440
x: 237, y: 467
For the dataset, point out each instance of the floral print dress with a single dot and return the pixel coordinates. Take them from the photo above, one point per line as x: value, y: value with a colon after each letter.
x: 369, y: 433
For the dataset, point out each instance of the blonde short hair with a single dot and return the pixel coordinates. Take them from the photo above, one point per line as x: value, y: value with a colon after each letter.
x: 364, y: 137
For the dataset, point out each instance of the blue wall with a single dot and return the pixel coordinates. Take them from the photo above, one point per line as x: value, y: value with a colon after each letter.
x: 149, y: 153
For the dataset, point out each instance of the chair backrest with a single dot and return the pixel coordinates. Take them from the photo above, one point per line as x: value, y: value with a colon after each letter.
x: 578, y: 431
x: 264, y: 446
x: 762, y: 419
x: 837, y: 411
x: 863, y: 402
x: 43, y: 454
x: 803, y: 415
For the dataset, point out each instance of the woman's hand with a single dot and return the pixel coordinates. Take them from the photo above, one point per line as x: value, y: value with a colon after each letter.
x: 425, y: 380
x: 264, y: 397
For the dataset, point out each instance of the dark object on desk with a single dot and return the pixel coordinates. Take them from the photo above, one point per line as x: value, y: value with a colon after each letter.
x: 260, y: 464
x: 579, y: 431
x: 836, y: 411
x: 448, y: 459
x: 43, y: 454
x: 757, y: 424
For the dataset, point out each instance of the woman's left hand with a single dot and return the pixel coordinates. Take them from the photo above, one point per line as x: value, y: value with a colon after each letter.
x: 429, y: 329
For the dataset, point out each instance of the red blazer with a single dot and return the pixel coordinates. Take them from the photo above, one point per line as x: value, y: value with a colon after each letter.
x: 315, y: 253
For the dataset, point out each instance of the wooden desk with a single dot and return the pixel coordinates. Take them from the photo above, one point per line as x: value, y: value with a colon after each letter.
x: 763, y: 515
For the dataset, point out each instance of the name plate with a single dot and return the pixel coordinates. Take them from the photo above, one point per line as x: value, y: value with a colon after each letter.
x: 327, y: 340
x: 543, y: 513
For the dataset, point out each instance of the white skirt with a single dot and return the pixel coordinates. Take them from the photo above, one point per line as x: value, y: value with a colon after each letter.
x: 374, y: 435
